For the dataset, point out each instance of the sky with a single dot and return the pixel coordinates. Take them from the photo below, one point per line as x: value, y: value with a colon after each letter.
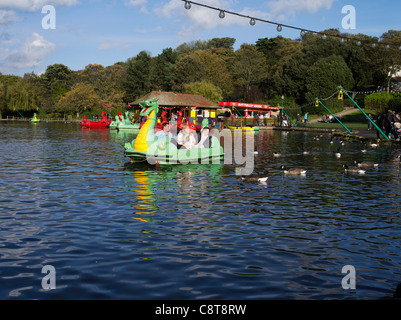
x: 81, y: 32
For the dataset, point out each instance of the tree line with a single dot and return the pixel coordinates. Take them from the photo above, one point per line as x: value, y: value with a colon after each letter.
x: 300, y: 70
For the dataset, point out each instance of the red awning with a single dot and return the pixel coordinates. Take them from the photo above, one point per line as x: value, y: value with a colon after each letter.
x: 246, y: 105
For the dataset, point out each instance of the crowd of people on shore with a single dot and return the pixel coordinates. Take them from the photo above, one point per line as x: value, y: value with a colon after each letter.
x: 389, y: 122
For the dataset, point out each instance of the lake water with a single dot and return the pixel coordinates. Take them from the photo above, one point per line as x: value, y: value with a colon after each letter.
x: 111, y: 230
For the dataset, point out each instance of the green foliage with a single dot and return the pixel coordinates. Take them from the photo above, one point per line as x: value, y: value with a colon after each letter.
x: 302, y: 69
x: 137, y: 80
x: 248, y: 68
x: 56, y: 81
x: 78, y: 99
x: 227, y: 43
x: 382, y: 101
x: 205, y: 89
x: 323, y: 77
x: 163, y: 76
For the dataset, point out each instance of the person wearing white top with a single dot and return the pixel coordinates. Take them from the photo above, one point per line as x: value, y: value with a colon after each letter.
x: 185, y: 138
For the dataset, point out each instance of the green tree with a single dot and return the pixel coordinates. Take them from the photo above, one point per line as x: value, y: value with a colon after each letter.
x: 186, y: 48
x: 205, y: 89
x: 137, y: 81
x: 56, y: 81
x: 277, y: 51
x: 81, y: 97
x: 188, y: 69
x: 163, y: 76
x: 324, y: 76
x: 216, y: 69
x: 227, y: 43
x: 248, y: 68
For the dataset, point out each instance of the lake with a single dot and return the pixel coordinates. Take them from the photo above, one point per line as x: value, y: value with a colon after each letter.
x: 70, y: 199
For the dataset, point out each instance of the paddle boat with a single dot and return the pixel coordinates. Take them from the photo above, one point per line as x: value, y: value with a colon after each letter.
x: 244, y: 128
x: 35, y: 119
x: 114, y: 123
x: 104, y: 123
x: 126, y: 123
x: 147, y: 147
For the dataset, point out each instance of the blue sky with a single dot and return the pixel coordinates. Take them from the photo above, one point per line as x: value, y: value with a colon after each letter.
x: 106, y: 32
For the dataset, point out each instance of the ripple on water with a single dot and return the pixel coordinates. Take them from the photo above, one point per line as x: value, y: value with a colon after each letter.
x: 68, y: 198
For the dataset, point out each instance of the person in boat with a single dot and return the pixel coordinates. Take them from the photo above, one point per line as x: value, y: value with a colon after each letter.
x: 204, y: 139
x: 165, y: 131
x: 185, y: 139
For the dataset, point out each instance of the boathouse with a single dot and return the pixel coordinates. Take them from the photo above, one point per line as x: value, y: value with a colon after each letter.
x: 194, y: 107
x: 249, y: 110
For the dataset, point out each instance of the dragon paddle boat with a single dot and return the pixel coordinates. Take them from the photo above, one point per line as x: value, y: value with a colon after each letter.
x: 126, y: 123
x: 104, y: 123
x: 35, y: 119
x: 148, y: 147
x: 114, y: 123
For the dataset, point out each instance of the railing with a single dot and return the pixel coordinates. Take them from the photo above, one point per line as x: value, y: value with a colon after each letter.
x: 68, y: 119
x: 252, y: 122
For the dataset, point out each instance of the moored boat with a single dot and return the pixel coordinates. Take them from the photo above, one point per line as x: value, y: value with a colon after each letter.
x: 103, y: 123
x: 35, y: 119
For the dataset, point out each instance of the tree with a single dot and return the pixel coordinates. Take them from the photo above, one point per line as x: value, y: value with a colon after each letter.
x: 163, y: 76
x: 390, y: 55
x: 277, y: 51
x: 188, y: 69
x: 216, y: 69
x: 56, y: 80
x: 137, y: 80
x: 227, y: 43
x: 186, y: 48
x: 324, y: 76
x: 205, y: 89
x: 248, y: 68
x: 81, y: 97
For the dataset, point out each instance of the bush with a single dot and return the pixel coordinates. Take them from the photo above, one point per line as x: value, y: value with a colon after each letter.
x: 290, y: 107
x: 378, y: 101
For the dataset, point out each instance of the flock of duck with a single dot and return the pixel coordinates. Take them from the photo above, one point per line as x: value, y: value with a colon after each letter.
x: 358, y: 168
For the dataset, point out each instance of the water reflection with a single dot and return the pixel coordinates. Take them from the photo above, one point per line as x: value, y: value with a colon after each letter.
x: 135, y: 231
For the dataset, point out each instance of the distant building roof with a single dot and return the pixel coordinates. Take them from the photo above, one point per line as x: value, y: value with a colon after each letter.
x: 171, y: 99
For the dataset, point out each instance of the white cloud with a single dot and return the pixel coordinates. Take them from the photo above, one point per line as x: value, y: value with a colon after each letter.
x: 287, y: 9
x: 32, y: 5
x: 201, y: 18
x: 135, y: 3
x: 107, y: 46
x: 7, y: 16
x: 31, y: 53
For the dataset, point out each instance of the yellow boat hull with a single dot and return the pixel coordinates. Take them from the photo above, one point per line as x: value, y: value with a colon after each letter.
x: 243, y: 128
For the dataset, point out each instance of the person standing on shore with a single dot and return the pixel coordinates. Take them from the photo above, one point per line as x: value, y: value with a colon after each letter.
x: 306, y: 117
x: 370, y: 122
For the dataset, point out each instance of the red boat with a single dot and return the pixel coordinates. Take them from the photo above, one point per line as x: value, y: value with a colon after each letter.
x: 104, y: 123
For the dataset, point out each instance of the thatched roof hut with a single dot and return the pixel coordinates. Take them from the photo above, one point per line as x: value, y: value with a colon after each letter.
x: 171, y: 99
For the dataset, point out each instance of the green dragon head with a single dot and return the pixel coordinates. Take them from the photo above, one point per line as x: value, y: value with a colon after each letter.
x: 148, y: 106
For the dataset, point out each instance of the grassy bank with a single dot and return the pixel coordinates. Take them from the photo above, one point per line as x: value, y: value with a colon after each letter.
x: 356, y: 120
